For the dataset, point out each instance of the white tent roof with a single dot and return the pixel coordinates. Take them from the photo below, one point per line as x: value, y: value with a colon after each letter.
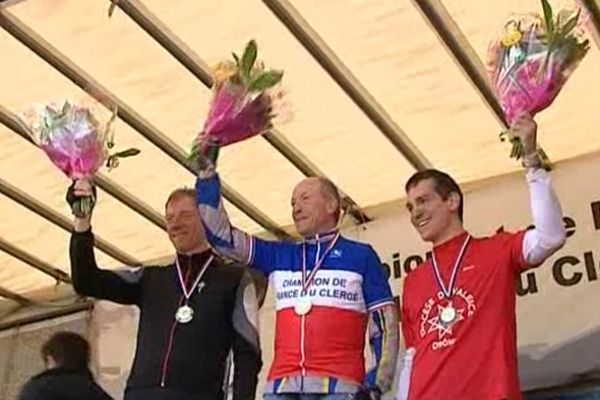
x: 377, y: 88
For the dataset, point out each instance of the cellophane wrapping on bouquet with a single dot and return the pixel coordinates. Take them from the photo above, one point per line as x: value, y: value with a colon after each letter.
x: 532, y: 59
x: 244, y: 97
x: 75, y: 140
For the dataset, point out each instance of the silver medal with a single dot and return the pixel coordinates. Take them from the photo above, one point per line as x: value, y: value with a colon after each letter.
x: 303, y: 305
x: 448, y: 315
x: 184, y: 314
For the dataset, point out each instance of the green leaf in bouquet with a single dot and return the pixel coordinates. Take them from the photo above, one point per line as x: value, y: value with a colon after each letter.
x: 248, y: 60
x: 548, y: 17
x: 236, y: 58
x: 200, y: 159
x: 546, y: 163
x: 212, y: 152
x: 194, y: 151
x: 516, y: 149
x: 66, y: 108
x: 570, y: 24
x: 108, y: 134
x: 265, y: 81
x: 112, y: 162
x: 127, y: 153
x: 50, y: 114
x: 544, y: 67
x: 54, y: 119
x: 552, y: 37
x: 194, y: 157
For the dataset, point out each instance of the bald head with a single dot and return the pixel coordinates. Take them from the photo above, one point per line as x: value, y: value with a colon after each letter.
x: 316, y: 206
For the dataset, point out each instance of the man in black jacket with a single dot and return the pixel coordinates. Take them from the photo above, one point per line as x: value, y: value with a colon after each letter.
x: 192, y: 312
x: 67, y: 376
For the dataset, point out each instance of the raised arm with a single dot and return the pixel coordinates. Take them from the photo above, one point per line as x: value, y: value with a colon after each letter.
x: 89, y: 280
x: 548, y: 234
x: 225, y: 238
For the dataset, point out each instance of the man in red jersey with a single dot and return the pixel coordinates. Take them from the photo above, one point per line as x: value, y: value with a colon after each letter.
x: 458, y: 311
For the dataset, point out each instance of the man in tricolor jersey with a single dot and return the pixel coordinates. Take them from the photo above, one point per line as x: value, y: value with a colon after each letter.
x: 458, y: 308
x: 330, y: 291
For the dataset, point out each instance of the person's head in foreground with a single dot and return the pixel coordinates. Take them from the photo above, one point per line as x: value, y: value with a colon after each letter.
x: 66, y: 350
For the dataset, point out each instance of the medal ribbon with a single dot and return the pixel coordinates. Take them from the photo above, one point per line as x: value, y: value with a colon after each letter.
x: 307, y: 281
x: 447, y: 291
x: 187, y: 294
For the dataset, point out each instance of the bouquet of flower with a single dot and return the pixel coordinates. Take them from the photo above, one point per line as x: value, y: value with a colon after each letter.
x: 242, y: 104
x: 75, y: 141
x: 531, y: 61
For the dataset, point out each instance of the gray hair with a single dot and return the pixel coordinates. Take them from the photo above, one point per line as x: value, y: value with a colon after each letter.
x: 329, y: 189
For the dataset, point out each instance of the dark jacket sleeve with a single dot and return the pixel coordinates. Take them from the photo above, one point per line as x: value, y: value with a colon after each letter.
x: 122, y: 287
x: 247, y: 360
x: 32, y: 391
x: 99, y: 393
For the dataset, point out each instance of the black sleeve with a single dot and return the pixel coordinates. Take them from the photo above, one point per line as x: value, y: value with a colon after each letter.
x: 99, y: 393
x: 247, y: 360
x: 32, y: 391
x: 121, y: 287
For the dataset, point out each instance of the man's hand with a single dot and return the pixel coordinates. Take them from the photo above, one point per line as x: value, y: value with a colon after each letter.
x: 79, y: 190
x: 525, y: 129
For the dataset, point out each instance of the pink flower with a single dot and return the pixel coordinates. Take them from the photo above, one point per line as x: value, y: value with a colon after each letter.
x: 531, y: 89
x: 77, y: 157
x: 235, y: 115
x: 242, y: 104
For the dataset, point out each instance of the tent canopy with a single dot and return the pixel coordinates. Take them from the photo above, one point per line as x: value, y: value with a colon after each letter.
x: 378, y: 89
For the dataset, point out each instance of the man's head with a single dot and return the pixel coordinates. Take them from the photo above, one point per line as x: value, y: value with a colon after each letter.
x: 435, y: 203
x: 66, y: 350
x: 184, y: 225
x: 316, y: 206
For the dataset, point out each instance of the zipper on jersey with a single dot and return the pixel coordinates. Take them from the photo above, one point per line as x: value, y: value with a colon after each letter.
x: 165, y: 365
x: 303, y: 325
x: 302, y: 344
x: 302, y: 351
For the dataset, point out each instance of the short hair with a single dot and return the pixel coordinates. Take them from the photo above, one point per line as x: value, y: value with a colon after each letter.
x: 68, y: 349
x: 443, y: 184
x: 179, y: 193
x: 328, y: 188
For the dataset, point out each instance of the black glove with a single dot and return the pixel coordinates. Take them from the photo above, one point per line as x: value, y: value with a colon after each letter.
x: 81, y: 206
x: 368, y: 393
